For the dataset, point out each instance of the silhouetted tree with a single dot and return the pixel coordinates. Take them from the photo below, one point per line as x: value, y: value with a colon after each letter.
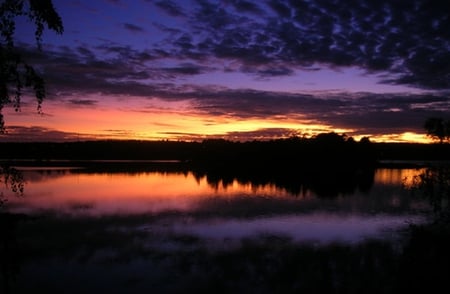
x: 365, y: 140
x: 437, y: 128
x: 15, y: 73
x: 330, y: 138
x: 434, y: 184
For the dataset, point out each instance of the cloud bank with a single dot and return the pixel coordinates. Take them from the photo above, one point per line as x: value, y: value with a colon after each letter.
x: 402, y: 42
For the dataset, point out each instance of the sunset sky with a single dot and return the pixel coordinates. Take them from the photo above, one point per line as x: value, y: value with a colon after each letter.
x: 237, y: 69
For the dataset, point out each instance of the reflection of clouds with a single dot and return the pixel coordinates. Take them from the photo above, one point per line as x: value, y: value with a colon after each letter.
x: 313, y: 227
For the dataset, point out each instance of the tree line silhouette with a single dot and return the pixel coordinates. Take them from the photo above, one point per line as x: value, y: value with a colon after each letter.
x: 438, y: 128
x: 326, y: 148
x: 329, y: 148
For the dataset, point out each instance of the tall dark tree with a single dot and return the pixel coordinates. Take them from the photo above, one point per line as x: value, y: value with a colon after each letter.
x: 15, y: 73
x: 437, y: 128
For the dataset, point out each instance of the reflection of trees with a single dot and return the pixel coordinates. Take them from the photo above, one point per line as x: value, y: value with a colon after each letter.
x: 328, y: 164
x: 426, y: 261
x: 434, y: 185
x: 13, y: 180
x: 327, y: 182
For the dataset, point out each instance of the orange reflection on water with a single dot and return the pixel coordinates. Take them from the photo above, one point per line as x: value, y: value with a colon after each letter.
x: 397, y: 176
x: 126, y: 193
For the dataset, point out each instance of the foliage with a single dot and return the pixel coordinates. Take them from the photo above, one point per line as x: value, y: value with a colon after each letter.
x: 15, y: 73
x: 438, y: 128
x: 13, y: 179
x: 434, y: 184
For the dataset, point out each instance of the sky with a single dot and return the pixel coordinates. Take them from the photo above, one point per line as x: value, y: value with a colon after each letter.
x: 237, y: 69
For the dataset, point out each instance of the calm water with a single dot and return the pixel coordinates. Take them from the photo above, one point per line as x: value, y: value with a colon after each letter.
x: 116, y: 229
x: 181, y: 203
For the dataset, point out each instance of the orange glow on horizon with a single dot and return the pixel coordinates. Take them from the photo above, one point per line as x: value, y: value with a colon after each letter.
x: 407, y: 137
x: 131, y: 118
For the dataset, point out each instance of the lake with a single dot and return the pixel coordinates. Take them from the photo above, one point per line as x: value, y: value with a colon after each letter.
x: 87, y: 230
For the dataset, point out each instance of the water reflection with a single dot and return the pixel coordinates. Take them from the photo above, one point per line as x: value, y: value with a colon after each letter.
x: 312, y: 228
x: 396, y: 176
x: 323, y: 182
x: 182, y: 231
x: 120, y: 193
x: 12, y: 182
x: 223, y: 206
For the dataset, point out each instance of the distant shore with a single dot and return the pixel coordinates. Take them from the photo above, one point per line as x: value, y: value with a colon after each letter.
x: 296, y: 151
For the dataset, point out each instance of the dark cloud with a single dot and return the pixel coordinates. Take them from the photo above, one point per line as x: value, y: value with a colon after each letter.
x: 124, y: 73
x: 281, y: 8
x: 184, y: 136
x: 40, y: 134
x: 133, y: 28
x: 125, y: 52
x: 409, y: 40
x: 269, y: 71
x: 186, y: 69
x: 213, y: 17
x: 260, y: 134
x: 365, y: 113
x: 246, y: 6
x: 83, y: 102
x: 65, y: 69
x: 170, y: 8
x: 118, y: 133
x: 85, y: 52
x: 166, y: 29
